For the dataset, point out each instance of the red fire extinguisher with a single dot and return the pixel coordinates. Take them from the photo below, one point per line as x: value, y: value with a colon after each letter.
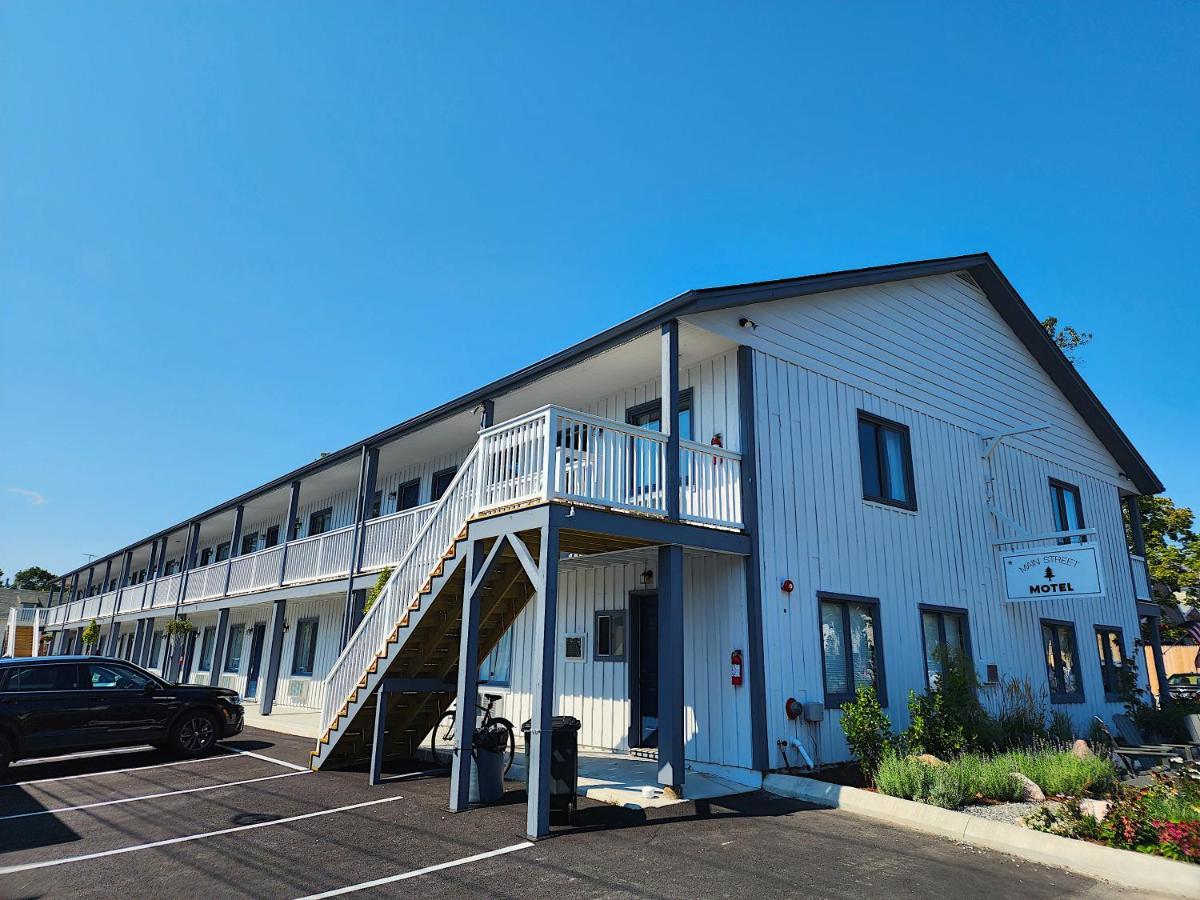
x: 735, y: 668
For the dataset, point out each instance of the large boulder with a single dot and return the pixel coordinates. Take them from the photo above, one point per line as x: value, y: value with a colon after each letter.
x: 930, y: 760
x: 1030, y: 792
x: 1081, y: 749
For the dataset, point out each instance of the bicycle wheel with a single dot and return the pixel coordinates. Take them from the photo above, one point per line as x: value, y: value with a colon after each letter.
x: 511, y: 743
x: 441, y: 739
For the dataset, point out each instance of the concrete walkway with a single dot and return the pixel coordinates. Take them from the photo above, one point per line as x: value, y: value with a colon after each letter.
x: 293, y: 720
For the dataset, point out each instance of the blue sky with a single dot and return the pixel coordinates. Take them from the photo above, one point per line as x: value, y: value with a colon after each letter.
x: 233, y: 235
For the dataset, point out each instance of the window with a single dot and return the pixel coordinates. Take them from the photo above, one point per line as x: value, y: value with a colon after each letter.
x: 116, y: 678
x: 306, y: 647
x: 408, y: 494
x: 644, y: 461
x: 943, y: 631
x: 885, y: 456
x: 1062, y: 668
x: 41, y: 678
x: 222, y: 551
x: 272, y: 537
x: 1068, y: 510
x: 1110, y: 645
x: 233, y: 653
x: 376, y: 505
x: 851, y: 654
x: 319, y: 522
x: 441, y: 481
x: 208, y: 642
x: 156, y: 646
x: 171, y: 568
x: 610, y: 635
x: 206, y: 556
x: 495, y: 669
x: 249, y: 543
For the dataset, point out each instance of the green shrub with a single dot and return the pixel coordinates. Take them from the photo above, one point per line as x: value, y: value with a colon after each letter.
x: 903, y: 776
x: 377, y: 588
x: 868, y: 730
x: 948, y: 719
x: 1021, y: 719
x: 1061, y: 772
x: 952, y: 786
x: 1062, y: 729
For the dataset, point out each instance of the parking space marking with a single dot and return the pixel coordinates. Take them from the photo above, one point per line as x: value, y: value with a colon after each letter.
x: 278, y: 762
x: 404, y: 876
x: 85, y: 754
x: 178, y: 762
x: 195, y: 790
x: 49, y: 863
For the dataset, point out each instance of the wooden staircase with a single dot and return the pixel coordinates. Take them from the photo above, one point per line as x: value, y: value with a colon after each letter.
x: 425, y: 644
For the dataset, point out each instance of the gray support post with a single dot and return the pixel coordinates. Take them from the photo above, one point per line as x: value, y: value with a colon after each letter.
x: 189, y: 649
x: 114, y: 636
x: 162, y: 558
x: 151, y: 566
x: 289, y: 527
x: 381, y: 702
x: 756, y: 663
x: 234, y: 540
x: 55, y: 591
x: 1133, y: 507
x: 75, y: 586
x: 368, y: 466
x: 468, y: 683
x: 87, y: 591
x: 545, y: 645
x: 107, y: 575
x: 139, y: 628
x: 1160, y: 666
x: 267, y: 701
x: 670, y: 668
x: 148, y: 643
x: 191, y: 548
x: 218, y: 660
x: 670, y: 414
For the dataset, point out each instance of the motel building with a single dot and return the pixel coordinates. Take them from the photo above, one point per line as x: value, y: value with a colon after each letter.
x: 697, y: 532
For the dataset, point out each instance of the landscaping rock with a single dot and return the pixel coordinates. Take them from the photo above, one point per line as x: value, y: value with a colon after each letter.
x: 1097, y: 809
x: 930, y: 760
x: 1030, y: 792
x: 1081, y: 749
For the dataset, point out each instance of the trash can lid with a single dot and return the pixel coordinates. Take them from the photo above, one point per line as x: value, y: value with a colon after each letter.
x: 558, y: 723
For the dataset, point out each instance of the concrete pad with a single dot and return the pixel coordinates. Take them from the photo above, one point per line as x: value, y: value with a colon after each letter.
x: 292, y: 720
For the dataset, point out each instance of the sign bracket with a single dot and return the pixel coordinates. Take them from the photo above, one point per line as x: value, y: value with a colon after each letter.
x: 992, y: 441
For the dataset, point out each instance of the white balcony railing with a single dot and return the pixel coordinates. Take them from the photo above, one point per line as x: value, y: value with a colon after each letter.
x: 1141, y: 577
x: 551, y: 454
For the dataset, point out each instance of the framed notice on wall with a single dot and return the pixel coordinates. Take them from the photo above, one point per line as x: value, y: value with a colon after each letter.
x: 1060, y: 572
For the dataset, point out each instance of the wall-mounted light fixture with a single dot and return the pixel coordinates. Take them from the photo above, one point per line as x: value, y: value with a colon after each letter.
x: 746, y: 323
x: 647, y: 577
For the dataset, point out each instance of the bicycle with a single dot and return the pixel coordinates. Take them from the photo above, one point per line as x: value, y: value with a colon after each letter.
x: 442, y: 739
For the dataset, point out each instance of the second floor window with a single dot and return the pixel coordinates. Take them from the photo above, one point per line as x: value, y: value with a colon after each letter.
x: 206, y: 556
x: 408, y: 495
x: 272, y: 537
x: 222, y: 551
x: 1068, y: 510
x: 249, y: 543
x: 441, y: 483
x: 319, y: 522
x: 885, y: 456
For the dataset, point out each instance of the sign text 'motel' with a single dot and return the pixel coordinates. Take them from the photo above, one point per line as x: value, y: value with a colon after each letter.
x: 1072, y: 571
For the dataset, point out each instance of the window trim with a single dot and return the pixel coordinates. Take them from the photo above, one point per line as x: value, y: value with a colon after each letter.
x: 271, y: 537
x: 411, y: 483
x: 1079, y: 695
x: 941, y: 610
x: 597, y: 656
x: 297, y: 673
x: 909, y: 475
x: 229, y: 644
x: 1111, y: 696
x: 205, y: 633
x: 451, y: 471
x: 1059, y: 509
x: 835, y: 701
x: 249, y: 540
x: 685, y: 402
x: 325, y: 511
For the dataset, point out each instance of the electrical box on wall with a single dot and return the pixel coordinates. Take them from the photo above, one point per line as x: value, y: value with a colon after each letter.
x: 814, y: 711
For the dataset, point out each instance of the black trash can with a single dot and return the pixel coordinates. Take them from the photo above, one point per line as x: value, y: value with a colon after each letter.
x: 564, y: 765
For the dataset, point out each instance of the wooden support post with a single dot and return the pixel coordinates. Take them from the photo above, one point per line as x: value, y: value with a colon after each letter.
x: 267, y: 702
x: 381, y: 704
x: 545, y: 644
x: 234, y: 540
x: 468, y: 682
x: 670, y: 668
x: 87, y: 591
x: 368, y: 466
x: 670, y: 415
x: 1160, y: 666
x: 289, y: 527
x: 214, y: 671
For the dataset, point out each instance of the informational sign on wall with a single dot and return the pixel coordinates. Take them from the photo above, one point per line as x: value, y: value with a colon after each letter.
x: 1048, y: 573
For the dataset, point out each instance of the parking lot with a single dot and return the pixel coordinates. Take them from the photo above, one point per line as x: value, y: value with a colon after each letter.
x: 253, y: 821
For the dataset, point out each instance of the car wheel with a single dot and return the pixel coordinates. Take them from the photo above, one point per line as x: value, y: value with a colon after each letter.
x: 194, y: 733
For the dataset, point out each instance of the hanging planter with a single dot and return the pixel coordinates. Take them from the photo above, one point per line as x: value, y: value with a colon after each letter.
x: 91, y: 634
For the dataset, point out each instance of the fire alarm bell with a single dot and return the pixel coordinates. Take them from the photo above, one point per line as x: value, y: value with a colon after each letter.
x: 787, y: 586
x: 794, y: 708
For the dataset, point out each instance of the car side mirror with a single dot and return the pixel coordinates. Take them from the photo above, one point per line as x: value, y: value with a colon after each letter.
x: 151, y: 687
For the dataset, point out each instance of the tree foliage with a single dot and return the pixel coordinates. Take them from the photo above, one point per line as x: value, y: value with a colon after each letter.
x: 1172, y: 547
x: 1069, y: 339
x: 35, y: 578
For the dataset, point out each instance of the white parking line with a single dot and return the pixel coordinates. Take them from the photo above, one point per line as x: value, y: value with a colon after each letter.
x: 403, y: 876
x: 278, y: 762
x: 178, y: 762
x: 195, y: 790
x: 84, y: 754
x: 25, y: 867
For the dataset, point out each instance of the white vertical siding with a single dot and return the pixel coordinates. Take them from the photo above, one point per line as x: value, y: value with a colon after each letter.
x: 305, y: 690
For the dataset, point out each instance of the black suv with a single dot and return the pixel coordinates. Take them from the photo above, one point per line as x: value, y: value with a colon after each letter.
x: 52, y: 705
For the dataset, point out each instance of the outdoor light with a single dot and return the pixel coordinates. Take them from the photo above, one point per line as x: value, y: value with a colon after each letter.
x: 746, y: 323
x: 647, y: 577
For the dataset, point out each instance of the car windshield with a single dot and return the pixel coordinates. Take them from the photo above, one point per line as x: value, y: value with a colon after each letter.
x: 1192, y: 679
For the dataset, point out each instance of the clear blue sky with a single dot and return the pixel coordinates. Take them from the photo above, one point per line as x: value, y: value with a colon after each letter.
x: 233, y: 235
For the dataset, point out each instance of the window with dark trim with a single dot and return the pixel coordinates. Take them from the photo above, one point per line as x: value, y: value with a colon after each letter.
x: 441, y: 482
x: 1068, y: 510
x: 233, y: 652
x: 1110, y: 646
x: 305, y: 653
x: 376, y: 505
x: 208, y: 642
x: 272, y: 537
x: 156, y: 646
x: 408, y: 495
x: 222, y: 551
x: 644, y: 456
x: 885, y: 457
x: 1062, y: 661
x: 319, y: 522
x: 610, y: 635
x: 206, y: 556
x: 494, y: 670
x: 944, y: 633
x: 851, y: 647
x: 249, y: 543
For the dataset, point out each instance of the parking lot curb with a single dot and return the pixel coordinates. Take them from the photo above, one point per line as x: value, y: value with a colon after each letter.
x: 1124, y: 867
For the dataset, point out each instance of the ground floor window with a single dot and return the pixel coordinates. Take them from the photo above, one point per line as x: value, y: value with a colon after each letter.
x: 208, y: 640
x: 851, y: 651
x: 233, y: 655
x: 156, y: 650
x: 495, y: 669
x: 610, y: 635
x: 306, y: 647
x: 1062, y: 661
x: 1110, y: 645
x: 945, y: 636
